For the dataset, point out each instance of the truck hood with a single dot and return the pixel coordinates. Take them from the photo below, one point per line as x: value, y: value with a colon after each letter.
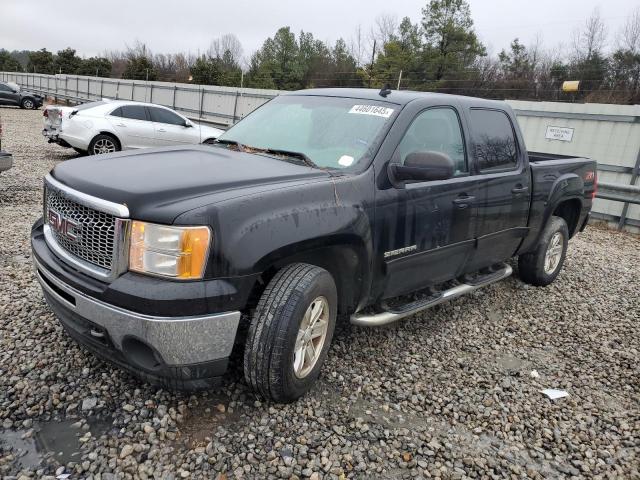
x: 159, y: 184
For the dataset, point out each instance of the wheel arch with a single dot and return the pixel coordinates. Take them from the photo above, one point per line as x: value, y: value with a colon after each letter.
x: 569, y: 210
x: 106, y: 132
x: 344, y: 257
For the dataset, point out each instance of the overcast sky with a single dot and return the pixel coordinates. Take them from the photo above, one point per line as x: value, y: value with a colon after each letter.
x: 190, y: 25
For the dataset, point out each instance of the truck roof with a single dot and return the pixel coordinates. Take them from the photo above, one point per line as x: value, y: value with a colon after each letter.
x: 398, y: 97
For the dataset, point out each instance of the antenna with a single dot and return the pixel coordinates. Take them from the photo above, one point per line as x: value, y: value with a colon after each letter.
x: 386, y: 90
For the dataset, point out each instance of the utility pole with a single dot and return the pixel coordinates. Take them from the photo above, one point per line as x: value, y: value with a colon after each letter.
x: 399, y: 80
x: 373, y: 57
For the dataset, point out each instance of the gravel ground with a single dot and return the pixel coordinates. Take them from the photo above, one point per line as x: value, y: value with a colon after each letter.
x: 451, y: 393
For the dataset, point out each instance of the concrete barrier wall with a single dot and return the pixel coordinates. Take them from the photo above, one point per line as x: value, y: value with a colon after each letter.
x: 610, y: 134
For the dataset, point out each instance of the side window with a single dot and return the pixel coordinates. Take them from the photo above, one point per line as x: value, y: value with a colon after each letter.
x: 5, y: 88
x: 494, y: 143
x: 160, y: 115
x: 117, y: 112
x: 134, y: 112
x: 436, y: 130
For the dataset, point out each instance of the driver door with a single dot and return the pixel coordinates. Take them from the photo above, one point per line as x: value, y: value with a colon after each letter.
x: 429, y: 229
x: 170, y: 128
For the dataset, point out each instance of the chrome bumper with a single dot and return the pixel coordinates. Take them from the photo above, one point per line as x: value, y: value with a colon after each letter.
x: 178, y: 340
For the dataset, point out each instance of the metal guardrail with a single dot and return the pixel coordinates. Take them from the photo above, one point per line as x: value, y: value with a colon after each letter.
x: 619, y: 193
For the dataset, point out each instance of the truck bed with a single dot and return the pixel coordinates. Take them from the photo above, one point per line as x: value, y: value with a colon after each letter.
x: 545, y: 157
x: 553, y: 175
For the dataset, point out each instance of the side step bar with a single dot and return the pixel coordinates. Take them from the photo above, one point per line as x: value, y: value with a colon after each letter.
x: 389, y: 316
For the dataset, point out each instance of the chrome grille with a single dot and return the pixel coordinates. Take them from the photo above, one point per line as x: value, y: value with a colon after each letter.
x: 95, y: 233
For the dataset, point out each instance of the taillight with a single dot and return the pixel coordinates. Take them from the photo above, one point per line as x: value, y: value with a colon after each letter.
x: 592, y: 176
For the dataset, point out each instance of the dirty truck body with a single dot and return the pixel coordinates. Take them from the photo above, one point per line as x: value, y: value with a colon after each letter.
x: 434, y: 193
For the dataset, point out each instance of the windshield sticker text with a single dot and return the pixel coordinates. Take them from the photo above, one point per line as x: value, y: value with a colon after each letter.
x: 383, y: 112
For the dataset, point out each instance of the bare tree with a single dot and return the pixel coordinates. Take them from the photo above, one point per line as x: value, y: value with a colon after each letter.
x: 357, y: 47
x: 591, y: 39
x: 385, y: 28
x: 226, y: 43
x: 629, y: 37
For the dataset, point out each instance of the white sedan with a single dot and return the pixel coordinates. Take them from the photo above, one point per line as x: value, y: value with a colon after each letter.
x: 113, y: 125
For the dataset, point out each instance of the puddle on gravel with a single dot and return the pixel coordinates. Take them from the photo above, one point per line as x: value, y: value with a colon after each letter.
x: 203, y: 419
x: 58, y: 440
x: 510, y: 363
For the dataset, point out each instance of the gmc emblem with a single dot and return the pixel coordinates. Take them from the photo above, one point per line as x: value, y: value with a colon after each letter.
x: 62, y: 225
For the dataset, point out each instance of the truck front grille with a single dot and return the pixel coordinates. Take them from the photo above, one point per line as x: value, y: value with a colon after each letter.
x: 92, y: 234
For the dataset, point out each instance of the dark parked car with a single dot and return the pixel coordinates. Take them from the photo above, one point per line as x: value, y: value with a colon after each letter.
x: 12, y: 94
x: 319, y: 203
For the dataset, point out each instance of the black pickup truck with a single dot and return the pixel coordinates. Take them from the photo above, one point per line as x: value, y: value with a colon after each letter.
x: 322, y: 203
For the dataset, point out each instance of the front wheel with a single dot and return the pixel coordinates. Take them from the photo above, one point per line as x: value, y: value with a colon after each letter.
x: 103, y: 143
x: 542, y: 266
x: 290, y: 332
x: 27, y: 104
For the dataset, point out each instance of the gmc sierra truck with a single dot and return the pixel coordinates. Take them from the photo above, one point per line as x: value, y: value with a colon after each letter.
x: 321, y: 204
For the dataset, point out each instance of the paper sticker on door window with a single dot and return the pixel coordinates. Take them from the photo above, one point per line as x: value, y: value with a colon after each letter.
x: 345, y: 160
x: 372, y: 110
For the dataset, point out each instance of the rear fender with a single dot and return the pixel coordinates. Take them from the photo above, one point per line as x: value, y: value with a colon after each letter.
x: 567, y: 187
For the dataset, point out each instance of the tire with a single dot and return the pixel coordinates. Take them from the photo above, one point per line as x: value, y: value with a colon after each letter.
x: 104, y: 143
x: 273, y: 365
x: 536, y: 268
x: 27, y: 104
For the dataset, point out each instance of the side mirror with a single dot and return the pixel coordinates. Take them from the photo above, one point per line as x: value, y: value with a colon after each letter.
x: 422, y: 167
x: 187, y: 124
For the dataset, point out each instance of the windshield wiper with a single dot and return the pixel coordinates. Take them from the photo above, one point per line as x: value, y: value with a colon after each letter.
x: 299, y: 155
x: 224, y: 141
x: 272, y: 151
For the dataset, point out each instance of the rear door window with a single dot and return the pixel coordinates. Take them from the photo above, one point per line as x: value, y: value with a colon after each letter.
x: 134, y: 112
x: 494, y: 142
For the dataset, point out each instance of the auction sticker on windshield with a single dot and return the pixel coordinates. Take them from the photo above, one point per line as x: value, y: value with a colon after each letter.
x: 372, y: 110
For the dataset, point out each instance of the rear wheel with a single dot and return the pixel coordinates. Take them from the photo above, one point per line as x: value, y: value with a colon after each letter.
x: 28, y: 104
x: 104, y: 143
x: 290, y: 332
x: 542, y: 266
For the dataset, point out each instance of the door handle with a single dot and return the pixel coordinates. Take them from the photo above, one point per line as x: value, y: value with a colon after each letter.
x: 519, y: 189
x: 120, y: 125
x: 161, y: 130
x: 464, y: 201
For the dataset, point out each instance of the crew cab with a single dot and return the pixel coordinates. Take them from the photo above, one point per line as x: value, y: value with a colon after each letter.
x: 321, y: 204
x: 108, y: 126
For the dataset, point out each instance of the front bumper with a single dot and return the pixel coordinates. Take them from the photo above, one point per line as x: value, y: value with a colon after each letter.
x: 183, y: 352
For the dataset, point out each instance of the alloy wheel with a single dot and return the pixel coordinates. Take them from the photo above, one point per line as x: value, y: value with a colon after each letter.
x: 311, y: 337
x: 554, y: 253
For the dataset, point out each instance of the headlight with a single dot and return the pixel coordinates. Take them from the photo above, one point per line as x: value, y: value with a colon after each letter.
x: 176, y: 252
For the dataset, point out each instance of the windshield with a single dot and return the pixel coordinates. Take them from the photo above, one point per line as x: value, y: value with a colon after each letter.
x: 15, y: 86
x: 331, y: 132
